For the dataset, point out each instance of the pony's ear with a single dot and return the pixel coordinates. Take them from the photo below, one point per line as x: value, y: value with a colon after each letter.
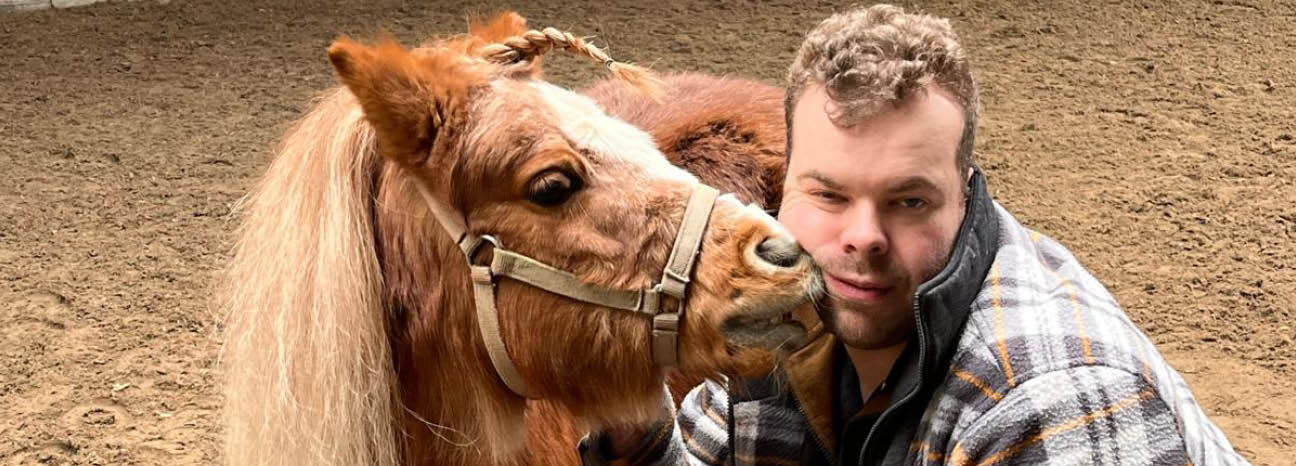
x: 406, y: 97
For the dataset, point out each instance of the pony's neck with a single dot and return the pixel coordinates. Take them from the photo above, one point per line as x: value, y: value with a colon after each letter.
x: 460, y: 439
x: 452, y: 416
x: 453, y: 409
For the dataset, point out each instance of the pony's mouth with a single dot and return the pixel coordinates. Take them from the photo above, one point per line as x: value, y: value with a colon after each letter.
x: 772, y: 326
x: 776, y: 334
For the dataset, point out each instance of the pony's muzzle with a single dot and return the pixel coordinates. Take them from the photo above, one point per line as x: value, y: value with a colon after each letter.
x: 780, y: 252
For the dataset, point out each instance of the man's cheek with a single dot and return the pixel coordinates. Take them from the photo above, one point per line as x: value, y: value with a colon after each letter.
x: 791, y: 213
x: 811, y: 227
x: 930, y: 255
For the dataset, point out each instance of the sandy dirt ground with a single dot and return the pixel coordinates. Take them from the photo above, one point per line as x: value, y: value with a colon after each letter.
x: 1154, y: 138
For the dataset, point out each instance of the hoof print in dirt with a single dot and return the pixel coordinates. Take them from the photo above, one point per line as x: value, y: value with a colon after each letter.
x: 99, y: 413
x: 48, y: 454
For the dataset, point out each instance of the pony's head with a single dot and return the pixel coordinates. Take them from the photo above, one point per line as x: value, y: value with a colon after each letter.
x: 551, y: 176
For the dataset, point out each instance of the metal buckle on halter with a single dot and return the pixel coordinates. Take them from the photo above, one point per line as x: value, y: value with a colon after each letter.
x: 471, y: 244
x: 478, y: 273
x: 673, y: 284
x: 650, y: 301
x: 658, y: 293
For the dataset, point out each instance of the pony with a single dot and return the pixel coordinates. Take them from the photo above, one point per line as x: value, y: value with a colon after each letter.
x: 350, y: 331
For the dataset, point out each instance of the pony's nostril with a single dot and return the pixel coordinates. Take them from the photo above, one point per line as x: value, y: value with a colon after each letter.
x: 779, y: 252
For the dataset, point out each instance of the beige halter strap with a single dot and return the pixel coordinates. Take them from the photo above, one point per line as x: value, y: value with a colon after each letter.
x: 506, y: 263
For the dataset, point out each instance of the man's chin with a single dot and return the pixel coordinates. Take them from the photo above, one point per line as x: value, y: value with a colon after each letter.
x: 871, y: 342
x: 866, y: 309
x: 867, y: 327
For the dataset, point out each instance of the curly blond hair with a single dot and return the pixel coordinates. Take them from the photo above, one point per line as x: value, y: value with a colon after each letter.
x: 866, y: 58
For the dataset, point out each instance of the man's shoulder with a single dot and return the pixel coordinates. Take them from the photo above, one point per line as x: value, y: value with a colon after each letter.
x: 1043, y: 328
x: 1039, y: 310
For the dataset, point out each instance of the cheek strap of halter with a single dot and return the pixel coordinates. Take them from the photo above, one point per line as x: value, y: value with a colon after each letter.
x: 507, y: 263
x: 679, y: 267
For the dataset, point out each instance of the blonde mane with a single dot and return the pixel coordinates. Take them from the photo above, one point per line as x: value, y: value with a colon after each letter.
x: 307, y: 355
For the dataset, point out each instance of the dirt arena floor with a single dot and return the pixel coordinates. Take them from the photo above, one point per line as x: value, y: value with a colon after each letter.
x: 1154, y: 138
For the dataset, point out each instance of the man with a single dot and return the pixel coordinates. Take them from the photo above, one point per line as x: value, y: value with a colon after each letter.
x: 953, y: 334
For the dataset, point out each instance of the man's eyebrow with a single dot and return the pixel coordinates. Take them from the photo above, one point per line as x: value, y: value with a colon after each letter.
x: 822, y: 179
x: 914, y: 183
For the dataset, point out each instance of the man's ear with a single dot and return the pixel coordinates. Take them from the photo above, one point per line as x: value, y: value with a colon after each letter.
x: 407, y: 98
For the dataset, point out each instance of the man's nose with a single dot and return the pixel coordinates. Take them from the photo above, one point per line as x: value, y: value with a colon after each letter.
x: 863, y: 233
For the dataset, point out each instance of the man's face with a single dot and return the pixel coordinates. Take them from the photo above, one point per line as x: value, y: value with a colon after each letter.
x: 877, y: 205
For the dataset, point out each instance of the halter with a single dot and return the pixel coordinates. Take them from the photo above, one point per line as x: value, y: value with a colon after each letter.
x: 674, y: 282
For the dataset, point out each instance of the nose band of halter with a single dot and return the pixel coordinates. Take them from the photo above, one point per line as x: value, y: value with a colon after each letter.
x: 506, y: 263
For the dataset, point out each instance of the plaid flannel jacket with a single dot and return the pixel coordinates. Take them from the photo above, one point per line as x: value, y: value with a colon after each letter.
x: 1022, y: 357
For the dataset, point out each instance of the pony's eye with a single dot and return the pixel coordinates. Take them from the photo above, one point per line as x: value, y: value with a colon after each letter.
x: 553, y: 187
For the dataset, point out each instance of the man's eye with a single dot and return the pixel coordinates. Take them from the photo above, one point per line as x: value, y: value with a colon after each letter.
x: 913, y: 203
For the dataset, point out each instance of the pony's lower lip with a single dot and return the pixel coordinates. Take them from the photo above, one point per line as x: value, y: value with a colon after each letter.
x: 785, y: 336
x: 856, y: 293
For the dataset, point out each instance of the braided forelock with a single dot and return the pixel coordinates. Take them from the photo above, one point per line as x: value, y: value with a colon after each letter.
x: 522, y: 50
